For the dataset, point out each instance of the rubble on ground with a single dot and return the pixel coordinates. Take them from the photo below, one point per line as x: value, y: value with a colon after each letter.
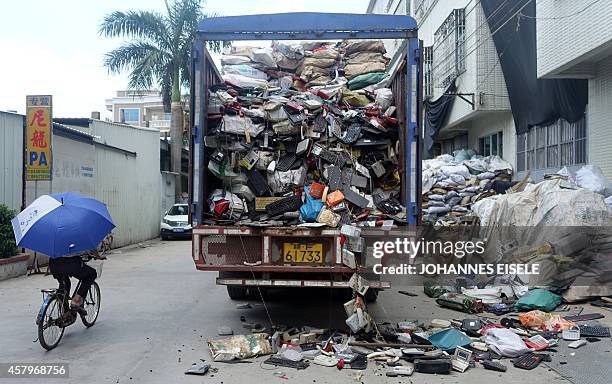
x: 303, y: 134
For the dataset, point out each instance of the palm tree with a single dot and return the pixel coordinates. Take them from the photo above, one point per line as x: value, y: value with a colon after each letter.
x: 158, y: 53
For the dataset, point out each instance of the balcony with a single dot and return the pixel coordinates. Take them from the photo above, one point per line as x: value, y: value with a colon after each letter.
x: 160, y: 121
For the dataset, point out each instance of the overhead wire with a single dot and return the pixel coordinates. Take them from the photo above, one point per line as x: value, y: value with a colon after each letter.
x: 564, y: 16
x: 493, y: 32
x: 466, y: 38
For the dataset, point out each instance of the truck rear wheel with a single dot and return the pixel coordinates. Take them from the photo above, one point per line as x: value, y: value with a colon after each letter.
x: 236, y: 293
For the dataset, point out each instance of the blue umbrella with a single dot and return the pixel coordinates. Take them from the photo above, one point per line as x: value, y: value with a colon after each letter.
x: 62, y: 224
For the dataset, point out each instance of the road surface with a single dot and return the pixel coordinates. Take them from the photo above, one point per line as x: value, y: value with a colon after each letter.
x: 157, y: 312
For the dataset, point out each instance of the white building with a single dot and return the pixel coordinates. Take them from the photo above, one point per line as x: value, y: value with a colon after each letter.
x: 142, y: 108
x: 574, y: 40
x: 457, y: 46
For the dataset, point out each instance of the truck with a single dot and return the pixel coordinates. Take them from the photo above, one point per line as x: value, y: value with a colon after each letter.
x: 250, y: 257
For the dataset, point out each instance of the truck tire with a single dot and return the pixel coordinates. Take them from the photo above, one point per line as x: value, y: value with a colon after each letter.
x: 371, y: 295
x: 236, y: 293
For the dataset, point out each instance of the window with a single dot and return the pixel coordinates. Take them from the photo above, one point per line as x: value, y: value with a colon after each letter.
x: 491, y: 145
x: 449, y: 48
x: 427, y: 71
x: 130, y: 114
x: 551, y: 146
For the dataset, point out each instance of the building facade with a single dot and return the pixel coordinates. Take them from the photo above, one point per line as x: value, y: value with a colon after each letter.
x: 457, y: 47
x: 139, y: 108
x: 574, y: 41
x: 11, y: 159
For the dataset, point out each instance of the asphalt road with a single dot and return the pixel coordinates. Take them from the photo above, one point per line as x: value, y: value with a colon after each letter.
x: 158, y: 311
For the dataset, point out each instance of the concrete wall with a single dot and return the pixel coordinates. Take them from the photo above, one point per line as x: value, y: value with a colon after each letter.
x: 492, y: 123
x: 134, y: 193
x: 599, y: 118
x: 11, y: 159
x: 568, y: 35
x: 74, y: 169
x: 483, y: 76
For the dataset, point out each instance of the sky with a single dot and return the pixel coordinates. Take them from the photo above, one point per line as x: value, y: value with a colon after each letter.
x: 53, y: 47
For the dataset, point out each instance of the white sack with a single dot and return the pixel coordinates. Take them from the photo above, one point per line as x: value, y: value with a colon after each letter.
x: 234, y: 60
x: 591, y: 178
x: 505, y: 342
x: 263, y: 56
x: 238, y: 125
x: 384, y: 98
x: 244, y: 82
x: 245, y: 70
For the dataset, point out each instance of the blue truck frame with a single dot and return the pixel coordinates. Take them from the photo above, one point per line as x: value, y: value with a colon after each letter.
x: 304, y: 26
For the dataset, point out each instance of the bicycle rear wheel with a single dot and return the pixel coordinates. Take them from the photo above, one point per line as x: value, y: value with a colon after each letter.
x: 92, y: 305
x: 49, y: 332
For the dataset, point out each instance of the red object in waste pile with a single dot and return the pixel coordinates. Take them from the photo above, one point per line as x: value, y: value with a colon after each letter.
x: 316, y: 190
x: 370, y: 112
x: 390, y: 121
x: 363, y: 215
x: 340, y: 364
x: 220, y: 207
x: 294, y: 106
x: 334, y: 198
x: 319, y: 93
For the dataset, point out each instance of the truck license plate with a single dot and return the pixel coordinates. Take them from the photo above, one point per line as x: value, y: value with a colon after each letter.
x: 303, y: 253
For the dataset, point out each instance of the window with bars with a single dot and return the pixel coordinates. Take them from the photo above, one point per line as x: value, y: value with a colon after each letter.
x: 551, y: 146
x: 490, y: 145
x: 449, y: 48
x: 427, y: 71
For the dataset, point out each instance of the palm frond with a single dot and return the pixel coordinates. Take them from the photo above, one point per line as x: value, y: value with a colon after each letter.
x: 136, y: 24
x: 147, y: 70
x: 128, y: 55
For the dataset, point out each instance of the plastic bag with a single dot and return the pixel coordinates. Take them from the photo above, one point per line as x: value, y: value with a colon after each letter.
x: 544, y: 321
x: 538, y: 299
x: 354, y: 99
x: 280, y: 181
x: 245, y: 70
x: 311, y: 208
x: 590, y: 177
x: 240, y: 347
x: 384, y: 98
x: 239, y: 125
x: 505, y: 342
x: 449, y: 339
x: 366, y: 79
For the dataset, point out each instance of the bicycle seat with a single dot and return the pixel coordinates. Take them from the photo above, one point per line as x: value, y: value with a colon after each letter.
x: 48, y: 290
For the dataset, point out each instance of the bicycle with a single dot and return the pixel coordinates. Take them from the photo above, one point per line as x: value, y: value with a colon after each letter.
x: 55, y: 313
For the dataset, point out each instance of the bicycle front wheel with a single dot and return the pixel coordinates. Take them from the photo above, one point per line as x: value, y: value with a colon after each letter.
x: 50, y: 330
x: 92, y: 305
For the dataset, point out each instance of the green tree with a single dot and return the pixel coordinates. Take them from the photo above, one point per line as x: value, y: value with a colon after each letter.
x: 158, y: 53
x: 7, y: 239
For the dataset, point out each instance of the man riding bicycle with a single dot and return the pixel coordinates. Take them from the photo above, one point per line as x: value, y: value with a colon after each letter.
x: 63, y: 268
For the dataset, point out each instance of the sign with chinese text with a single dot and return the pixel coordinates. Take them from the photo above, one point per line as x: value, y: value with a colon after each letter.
x: 38, y: 140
